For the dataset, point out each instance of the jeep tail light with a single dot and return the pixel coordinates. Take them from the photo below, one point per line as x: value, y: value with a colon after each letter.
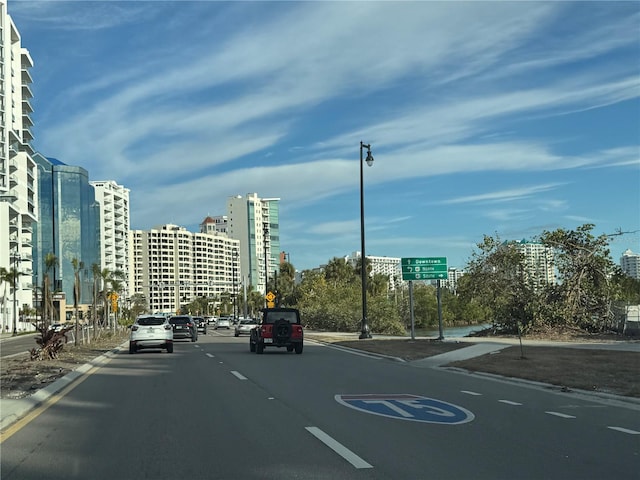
x: 267, y: 330
x: 296, y: 331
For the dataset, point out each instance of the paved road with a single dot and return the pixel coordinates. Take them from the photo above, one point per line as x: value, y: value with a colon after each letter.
x: 213, y: 410
x: 20, y: 345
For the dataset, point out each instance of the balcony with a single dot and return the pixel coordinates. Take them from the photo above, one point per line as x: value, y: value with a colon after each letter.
x: 26, y: 107
x: 27, y: 135
x: 26, y: 92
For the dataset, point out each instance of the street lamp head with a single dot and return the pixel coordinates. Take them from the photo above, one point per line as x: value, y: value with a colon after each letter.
x: 369, y: 159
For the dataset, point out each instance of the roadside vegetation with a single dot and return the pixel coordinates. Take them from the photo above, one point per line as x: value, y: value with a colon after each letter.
x: 498, y: 288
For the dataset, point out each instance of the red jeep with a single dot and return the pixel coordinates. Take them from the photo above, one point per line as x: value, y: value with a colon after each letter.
x: 278, y: 327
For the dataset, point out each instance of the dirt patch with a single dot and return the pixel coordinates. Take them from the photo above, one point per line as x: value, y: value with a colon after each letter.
x: 606, y: 371
x: 585, y: 369
x: 21, y: 377
x: 406, y: 349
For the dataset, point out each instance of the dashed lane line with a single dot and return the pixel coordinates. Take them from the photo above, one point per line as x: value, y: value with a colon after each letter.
x: 469, y: 392
x: 238, y: 375
x: 509, y: 402
x: 337, y: 447
x: 561, y: 415
x: 625, y: 430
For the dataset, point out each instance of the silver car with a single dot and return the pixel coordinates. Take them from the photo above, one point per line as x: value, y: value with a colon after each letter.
x: 244, y: 326
x: 223, y: 322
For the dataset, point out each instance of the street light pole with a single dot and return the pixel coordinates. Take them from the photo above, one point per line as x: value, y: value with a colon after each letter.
x: 365, y: 333
x: 265, y: 231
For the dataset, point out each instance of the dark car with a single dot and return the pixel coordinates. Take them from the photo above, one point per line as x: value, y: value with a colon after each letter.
x: 184, y: 327
x: 201, y: 324
x: 278, y: 327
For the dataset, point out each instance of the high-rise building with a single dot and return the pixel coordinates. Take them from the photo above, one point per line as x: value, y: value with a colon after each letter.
x: 114, y: 228
x: 538, y: 261
x: 172, y: 266
x: 69, y: 228
x: 18, y: 184
x: 388, y: 266
x: 255, y: 223
x: 630, y: 264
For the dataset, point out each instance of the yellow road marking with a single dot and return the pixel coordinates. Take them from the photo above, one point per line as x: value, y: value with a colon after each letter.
x: 49, y: 402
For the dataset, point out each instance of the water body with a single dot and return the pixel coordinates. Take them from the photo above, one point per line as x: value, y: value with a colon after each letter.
x: 450, y: 331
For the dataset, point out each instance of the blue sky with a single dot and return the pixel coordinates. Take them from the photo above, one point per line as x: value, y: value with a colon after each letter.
x: 505, y: 118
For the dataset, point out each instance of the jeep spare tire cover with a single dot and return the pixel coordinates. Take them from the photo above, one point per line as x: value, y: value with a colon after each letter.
x: 282, y: 329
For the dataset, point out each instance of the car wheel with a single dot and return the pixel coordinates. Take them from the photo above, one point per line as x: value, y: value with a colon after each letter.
x: 298, y: 348
x: 132, y: 347
x: 259, y: 348
x: 252, y: 346
x: 170, y: 347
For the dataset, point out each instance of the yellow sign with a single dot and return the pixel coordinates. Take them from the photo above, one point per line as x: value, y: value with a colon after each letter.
x: 270, y: 297
x: 271, y: 305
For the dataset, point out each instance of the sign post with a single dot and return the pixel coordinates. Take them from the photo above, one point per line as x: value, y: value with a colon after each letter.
x: 424, y: 268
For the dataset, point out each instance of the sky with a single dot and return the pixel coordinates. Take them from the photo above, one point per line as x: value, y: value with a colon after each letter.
x: 484, y: 118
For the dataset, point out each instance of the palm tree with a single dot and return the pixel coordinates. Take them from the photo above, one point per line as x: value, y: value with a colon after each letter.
x: 11, y: 277
x: 50, y: 262
x: 77, y: 266
x: 95, y: 271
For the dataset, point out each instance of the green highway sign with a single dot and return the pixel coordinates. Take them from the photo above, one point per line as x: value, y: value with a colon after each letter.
x: 425, y: 276
x: 425, y: 268
x: 424, y: 261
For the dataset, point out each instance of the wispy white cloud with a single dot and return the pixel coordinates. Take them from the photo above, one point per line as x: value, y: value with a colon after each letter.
x: 503, y: 195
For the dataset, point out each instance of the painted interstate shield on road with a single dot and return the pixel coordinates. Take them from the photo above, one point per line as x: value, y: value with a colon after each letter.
x: 407, y: 407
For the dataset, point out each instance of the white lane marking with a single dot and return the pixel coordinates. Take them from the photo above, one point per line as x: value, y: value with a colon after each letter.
x: 197, y: 346
x: 561, y: 415
x: 625, y: 430
x: 468, y: 392
x: 509, y: 402
x: 238, y: 375
x: 337, y: 447
x: 210, y: 355
x: 354, y: 352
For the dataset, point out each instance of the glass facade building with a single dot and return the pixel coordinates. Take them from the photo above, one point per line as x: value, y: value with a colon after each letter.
x: 69, y: 226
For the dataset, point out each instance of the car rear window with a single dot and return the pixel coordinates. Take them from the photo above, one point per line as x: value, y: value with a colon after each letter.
x: 180, y: 320
x: 150, y: 321
x: 273, y: 317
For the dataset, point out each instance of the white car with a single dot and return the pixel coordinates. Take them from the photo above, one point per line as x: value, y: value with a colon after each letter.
x: 244, y: 326
x: 151, y: 331
x: 223, y: 322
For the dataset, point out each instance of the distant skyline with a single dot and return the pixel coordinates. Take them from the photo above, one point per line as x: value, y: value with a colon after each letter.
x: 505, y: 118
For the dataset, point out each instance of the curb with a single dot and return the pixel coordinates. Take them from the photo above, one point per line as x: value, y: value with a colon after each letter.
x: 12, y: 410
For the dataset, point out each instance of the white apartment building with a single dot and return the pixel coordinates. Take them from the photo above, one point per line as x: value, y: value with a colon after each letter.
x: 255, y: 223
x: 18, y: 174
x: 538, y: 259
x: 114, y: 227
x: 171, y: 266
x: 630, y: 264
x: 217, y: 224
x: 453, y: 275
x: 388, y: 266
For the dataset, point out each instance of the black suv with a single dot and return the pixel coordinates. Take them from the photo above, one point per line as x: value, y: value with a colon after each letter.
x: 201, y: 324
x: 278, y: 327
x: 184, y: 326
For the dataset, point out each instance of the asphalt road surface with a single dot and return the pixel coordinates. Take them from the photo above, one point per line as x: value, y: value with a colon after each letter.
x: 212, y: 410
